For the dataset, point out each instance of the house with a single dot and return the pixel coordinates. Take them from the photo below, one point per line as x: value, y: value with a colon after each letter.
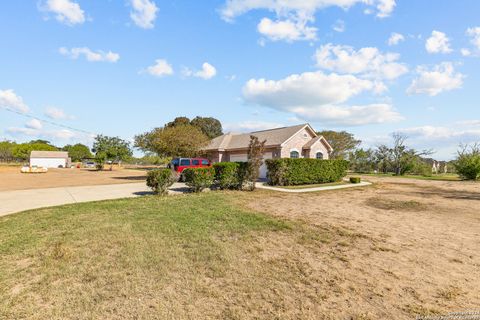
x: 300, y: 141
x: 50, y: 159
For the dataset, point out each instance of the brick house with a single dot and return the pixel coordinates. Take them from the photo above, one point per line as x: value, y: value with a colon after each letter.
x: 299, y: 141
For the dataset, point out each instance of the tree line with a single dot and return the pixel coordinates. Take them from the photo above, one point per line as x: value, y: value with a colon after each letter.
x: 11, y: 151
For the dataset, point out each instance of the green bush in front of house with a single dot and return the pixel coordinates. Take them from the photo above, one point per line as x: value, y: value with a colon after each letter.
x: 160, y: 180
x: 227, y: 175
x: 287, y: 172
x: 199, y: 179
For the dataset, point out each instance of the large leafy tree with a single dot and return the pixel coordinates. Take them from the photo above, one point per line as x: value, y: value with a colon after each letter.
x: 78, y: 151
x: 22, y: 151
x: 211, y: 127
x: 342, y: 143
x: 178, y: 121
x: 111, y: 148
x: 173, y: 141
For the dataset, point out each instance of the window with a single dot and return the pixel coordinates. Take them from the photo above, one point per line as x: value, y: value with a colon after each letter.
x: 196, y: 162
x: 205, y: 163
x: 319, y: 155
x: 185, y: 162
x: 294, y: 154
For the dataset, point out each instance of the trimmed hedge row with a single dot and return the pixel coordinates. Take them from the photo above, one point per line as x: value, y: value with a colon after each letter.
x: 286, y: 172
x: 231, y: 175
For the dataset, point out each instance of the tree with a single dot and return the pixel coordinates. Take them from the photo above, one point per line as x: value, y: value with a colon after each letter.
x: 22, y: 151
x: 174, y: 141
x: 383, y: 158
x: 110, y: 148
x: 256, y: 150
x: 362, y: 160
x: 211, y: 127
x: 467, y: 163
x: 178, y: 121
x: 342, y: 143
x: 78, y: 152
x: 6, y: 150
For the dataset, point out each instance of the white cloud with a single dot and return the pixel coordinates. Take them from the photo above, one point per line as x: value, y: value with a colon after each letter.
x: 9, y: 99
x: 474, y: 33
x: 234, y: 8
x: 433, y: 81
x: 66, y: 11
x: 350, y: 115
x: 339, y: 26
x: 385, y: 8
x: 300, y: 95
x: 287, y: 30
x: 465, y: 52
x: 395, y: 38
x: 453, y: 134
x: 160, y: 68
x: 367, y: 61
x: 303, y: 90
x: 438, y: 43
x: 208, y: 71
x: 293, y: 16
x: 57, y: 114
x: 249, y: 126
x: 34, y: 124
x: 144, y: 13
x: 92, y: 56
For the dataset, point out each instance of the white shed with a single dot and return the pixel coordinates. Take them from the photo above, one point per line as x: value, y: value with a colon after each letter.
x: 49, y: 159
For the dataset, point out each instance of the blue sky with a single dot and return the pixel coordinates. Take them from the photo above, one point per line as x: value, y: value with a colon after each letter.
x: 122, y: 67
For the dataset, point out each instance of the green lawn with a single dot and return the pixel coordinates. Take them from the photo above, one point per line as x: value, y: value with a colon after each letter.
x: 196, y: 256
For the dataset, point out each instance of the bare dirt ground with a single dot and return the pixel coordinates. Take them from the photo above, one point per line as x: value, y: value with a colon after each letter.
x: 12, y: 179
x: 406, y: 247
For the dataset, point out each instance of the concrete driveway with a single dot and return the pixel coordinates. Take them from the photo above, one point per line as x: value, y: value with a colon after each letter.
x: 21, y: 200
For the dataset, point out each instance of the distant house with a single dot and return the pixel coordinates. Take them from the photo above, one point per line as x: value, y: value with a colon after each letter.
x: 300, y: 141
x: 50, y: 159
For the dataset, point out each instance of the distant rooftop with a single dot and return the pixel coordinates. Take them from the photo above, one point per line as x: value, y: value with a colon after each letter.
x: 49, y: 154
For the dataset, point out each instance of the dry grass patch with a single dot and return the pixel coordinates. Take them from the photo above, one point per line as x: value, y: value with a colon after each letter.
x: 400, y: 205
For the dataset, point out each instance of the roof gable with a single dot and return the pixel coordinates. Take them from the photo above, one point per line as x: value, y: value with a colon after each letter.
x: 273, y: 137
x: 49, y: 154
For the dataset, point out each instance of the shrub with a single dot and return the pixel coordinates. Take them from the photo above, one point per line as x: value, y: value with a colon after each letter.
x: 199, y: 178
x: 284, y: 172
x: 355, y: 179
x: 160, y: 180
x: 467, y: 163
x: 226, y: 175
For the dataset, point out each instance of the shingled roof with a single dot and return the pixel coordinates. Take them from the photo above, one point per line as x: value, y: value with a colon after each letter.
x: 49, y: 154
x: 273, y: 137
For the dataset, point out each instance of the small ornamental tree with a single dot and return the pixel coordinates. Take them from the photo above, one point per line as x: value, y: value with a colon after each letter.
x: 467, y: 163
x: 255, y: 160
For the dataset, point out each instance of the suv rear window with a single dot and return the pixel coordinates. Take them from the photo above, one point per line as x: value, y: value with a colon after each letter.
x: 185, y: 162
x: 205, y: 163
x: 175, y: 161
x: 196, y: 162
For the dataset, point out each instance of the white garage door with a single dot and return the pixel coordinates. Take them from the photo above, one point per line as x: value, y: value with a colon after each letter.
x: 238, y: 158
x: 244, y: 158
x: 263, y: 167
